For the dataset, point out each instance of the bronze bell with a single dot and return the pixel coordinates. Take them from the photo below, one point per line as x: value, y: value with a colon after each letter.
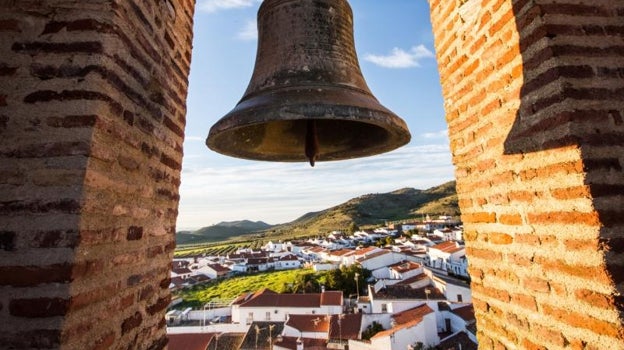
x: 307, y: 99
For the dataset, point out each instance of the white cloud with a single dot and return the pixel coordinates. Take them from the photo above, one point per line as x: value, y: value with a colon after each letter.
x: 249, y: 31
x: 216, y: 5
x: 194, y: 138
x: 400, y: 58
x: 442, y: 134
x: 281, y: 192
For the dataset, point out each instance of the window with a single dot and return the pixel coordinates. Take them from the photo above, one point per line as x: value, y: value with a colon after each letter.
x: 268, y: 315
x: 459, y: 298
x: 384, y: 307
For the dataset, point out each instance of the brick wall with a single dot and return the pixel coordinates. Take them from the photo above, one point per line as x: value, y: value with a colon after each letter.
x: 92, y: 113
x: 534, y: 100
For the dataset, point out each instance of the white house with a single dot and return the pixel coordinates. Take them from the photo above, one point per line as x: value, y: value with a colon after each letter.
x: 462, y: 318
x: 267, y: 305
x: 214, y: 270
x: 454, y: 290
x: 440, y: 254
x: 274, y: 247
x: 287, y: 262
x: 399, y: 297
x: 380, y: 259
x: 408, y: 327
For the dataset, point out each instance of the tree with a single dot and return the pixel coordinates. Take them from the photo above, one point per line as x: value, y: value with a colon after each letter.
x: 353, y: 228
x: 389, y: 240
x: 371, y: 330
x: 344, y: 279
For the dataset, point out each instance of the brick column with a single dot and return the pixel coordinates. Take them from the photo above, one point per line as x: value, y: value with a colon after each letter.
x: 534, y: 100
x: 92, y: 113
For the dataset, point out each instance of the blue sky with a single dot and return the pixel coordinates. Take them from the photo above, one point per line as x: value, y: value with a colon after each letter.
x: 394, y: 44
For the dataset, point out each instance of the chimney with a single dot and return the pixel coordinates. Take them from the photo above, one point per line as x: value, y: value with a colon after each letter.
x: 299, y: 344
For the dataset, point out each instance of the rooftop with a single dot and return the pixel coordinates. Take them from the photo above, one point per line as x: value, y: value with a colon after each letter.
x: 345, y: 326
x: 448, y: 247
x: 309, y: 323
x: 268, y: 298
x: 191, y: 341
x: 399, y: 291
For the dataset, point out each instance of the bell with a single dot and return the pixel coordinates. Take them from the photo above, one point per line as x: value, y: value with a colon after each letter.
x: 307, y: 99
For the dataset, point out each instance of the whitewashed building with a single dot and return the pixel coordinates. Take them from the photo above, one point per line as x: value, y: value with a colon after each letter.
x: 267, y: 305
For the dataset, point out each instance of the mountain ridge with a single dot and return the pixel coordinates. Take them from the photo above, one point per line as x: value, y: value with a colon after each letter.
x: 366, y: 210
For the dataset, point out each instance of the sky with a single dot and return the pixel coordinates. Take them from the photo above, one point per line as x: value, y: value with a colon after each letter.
x: 394, y: 44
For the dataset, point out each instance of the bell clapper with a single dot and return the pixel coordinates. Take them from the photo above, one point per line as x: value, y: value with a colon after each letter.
x: 311, y: 142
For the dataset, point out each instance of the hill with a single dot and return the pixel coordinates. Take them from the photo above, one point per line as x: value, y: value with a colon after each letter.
x: 222, y: 231
x: 376, y: 209
x: 367, y: 210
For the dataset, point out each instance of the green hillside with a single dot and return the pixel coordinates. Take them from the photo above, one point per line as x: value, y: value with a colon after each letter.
x: 367, y: 210
x: 376, y: 209
x: 220, y: 232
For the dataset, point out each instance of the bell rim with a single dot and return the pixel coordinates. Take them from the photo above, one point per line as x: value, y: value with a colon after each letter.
x: 345, y: 105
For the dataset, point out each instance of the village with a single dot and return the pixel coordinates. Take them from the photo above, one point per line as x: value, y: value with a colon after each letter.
x: 418, y: 295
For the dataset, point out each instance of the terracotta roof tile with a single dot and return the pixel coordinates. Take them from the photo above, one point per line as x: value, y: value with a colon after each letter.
x: 413, y: 314
x: 447, y: 247
x: 465, y: 312
x: 406, y: 319
x: 341, y: 252
x: 268, y: 298
x: 308, y: 343
x: 309, y: 323
x: 332, y: 297
x: 349, y: 327
x: 192, y: 341
x: 405, y: 266
x: 219, y: 268
x: 413, y: 279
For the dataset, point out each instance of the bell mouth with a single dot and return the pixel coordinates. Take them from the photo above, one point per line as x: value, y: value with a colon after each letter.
x: 273, y: 126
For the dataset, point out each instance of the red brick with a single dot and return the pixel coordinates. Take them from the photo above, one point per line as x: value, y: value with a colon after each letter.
x: 522, y: 196
x: 548, y: 335
x: 38, y: 307
x: 479, y: 217
x: 131, y: 323
x: 105, y: 342
x: 595, y: 299
x: 597, y: 274
x: 24, y: 276
x: 528, y: 238
x: 581, y: 244
x: 499, y: 238
x: 524, y: 301
x: 161, y: 304
x: 529, y: 345
x: 584, y: 321
x: 520, y: 260
x: 536, y: 285
x: 570, y: 193
x: 564, y: 217
x: 483, y: 254
x: 510, y: 219
x: 101, y: 293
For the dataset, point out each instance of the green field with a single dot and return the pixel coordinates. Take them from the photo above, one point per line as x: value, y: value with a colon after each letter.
x: 230, y: 288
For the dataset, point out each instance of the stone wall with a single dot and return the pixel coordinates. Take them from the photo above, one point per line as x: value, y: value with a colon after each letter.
x: 534, y: 100
x: 92, y: 113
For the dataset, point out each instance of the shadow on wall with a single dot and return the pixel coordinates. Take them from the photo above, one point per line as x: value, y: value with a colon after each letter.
x: 573, y: 95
